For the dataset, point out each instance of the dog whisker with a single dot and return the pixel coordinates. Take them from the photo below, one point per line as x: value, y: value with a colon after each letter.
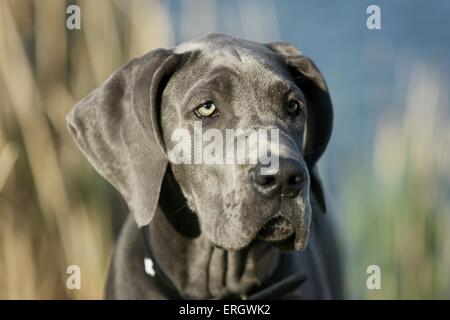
x: 177, y: 210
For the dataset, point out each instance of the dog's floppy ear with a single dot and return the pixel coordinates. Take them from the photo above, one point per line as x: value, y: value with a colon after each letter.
x: 319, y: 108
x: 117, y: 128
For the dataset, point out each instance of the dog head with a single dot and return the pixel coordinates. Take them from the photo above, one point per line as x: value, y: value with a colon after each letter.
x: 241, y: 124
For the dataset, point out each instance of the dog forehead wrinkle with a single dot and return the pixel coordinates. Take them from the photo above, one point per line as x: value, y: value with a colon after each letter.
x: 235, y: 53
x: 247, y: 63
x: 216, y: 76
x: 190, y: 91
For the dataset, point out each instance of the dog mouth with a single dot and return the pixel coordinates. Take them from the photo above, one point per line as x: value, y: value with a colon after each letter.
x: 279, y: 232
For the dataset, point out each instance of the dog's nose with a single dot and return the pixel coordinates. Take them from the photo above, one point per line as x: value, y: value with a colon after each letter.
x: 288, y: 179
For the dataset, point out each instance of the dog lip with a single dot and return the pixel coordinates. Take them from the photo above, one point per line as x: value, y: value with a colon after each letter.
x: 276, y: 229
x: 286, y: 244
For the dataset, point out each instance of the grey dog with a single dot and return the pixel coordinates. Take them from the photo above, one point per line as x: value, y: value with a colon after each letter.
x: 214, y: 231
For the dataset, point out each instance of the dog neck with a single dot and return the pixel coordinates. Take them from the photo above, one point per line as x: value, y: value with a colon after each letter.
x: 199, y: 270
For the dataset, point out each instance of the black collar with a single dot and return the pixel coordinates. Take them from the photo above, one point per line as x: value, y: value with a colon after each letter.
x: 272, y: 290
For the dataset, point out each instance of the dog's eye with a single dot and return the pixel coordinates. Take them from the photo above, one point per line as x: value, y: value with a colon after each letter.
x: 206, y: 110
x: 293, y: 107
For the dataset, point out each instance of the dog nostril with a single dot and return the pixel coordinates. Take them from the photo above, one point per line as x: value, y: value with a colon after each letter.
x: 294, y: 180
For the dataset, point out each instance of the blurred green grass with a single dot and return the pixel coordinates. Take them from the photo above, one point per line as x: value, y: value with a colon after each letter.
x: 397, y: 211
x: 56, y: 211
